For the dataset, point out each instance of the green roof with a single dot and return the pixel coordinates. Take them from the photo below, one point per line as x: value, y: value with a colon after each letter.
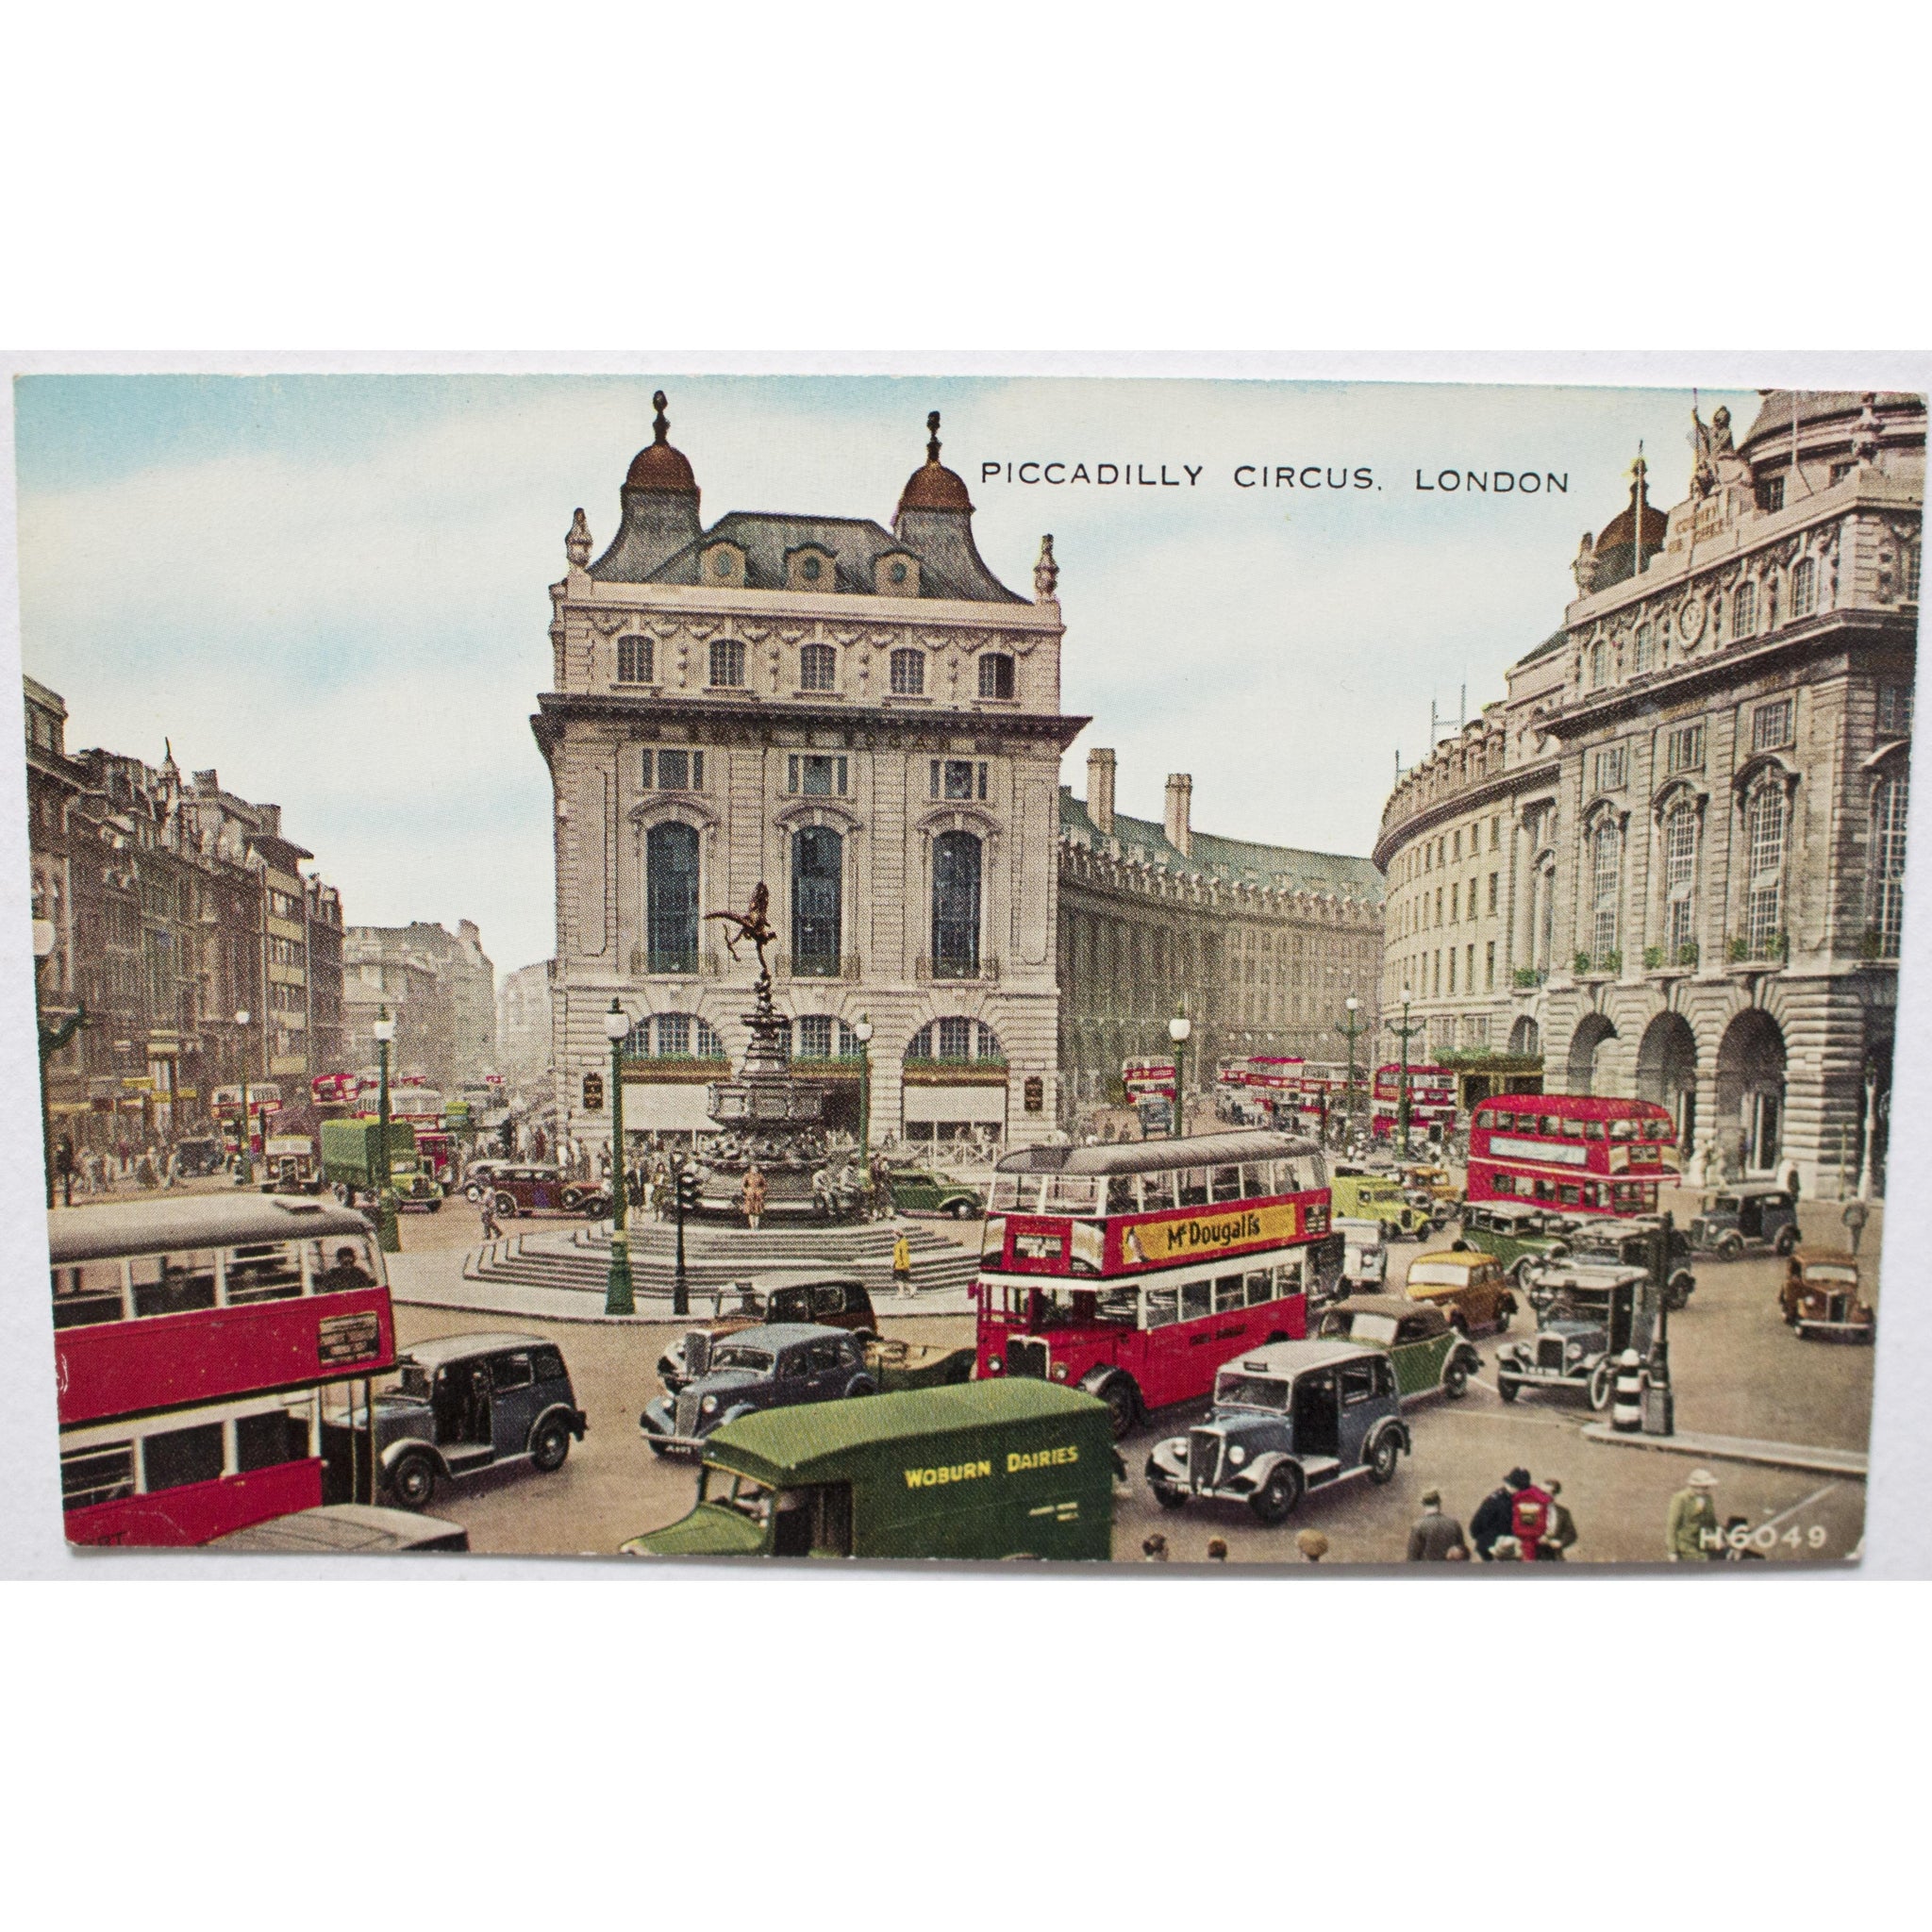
x: 792, y: 1439
x: 1238, y: 862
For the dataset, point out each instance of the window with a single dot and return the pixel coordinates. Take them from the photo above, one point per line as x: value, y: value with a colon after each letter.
x: 634, y: 659
x: 1804, y: 587
x: 812, y: 774
x: 995, y: 676
x: 676, y: 1036
x: 1764, y: 839
x: 1494, y: 879
x: 1889, y: 862
x: 1496, y: 833
x: 1357, y: 1383
x: 818, y: 860
x: 1455, y: 895
x: 267, y: 1441
x: 909, y: 673
x: 727, y: 664
x: 959, y: 1038
x: 818, y: 667
x: 670, y: 896
x: 1680, y: 883
x: 180, y: 1457
x: 87, y: 1292
x: 958, y: 779
x: 815, y: 1037
x: 101, y: 1475
x: 267, y: 1271
x: 173, y: 1284
x: 1644, y: 657
x: 674, y: 771
x: 1684, y: 749
x: 1744, y: 611
x: 1456, y: 846
x: 1599, y: 663
x: 1841, y: 471
x: 1771, y: 725
x: 954, y: 1037
x: 955, y: 872
x: 1488, y: 974
x: 1611, y: 766
x: 1908, y: 590
x: 1771, y: 493
x: 1894, y: 709
x: 1607, y: 870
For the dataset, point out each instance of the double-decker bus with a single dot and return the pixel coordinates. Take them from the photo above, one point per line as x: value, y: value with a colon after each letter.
x: 1579, y: 1153
x: 1134, y: 1270
x: 1147, y: 1079
x: 197, y: 1342
x: 225, y: 1104
x: 1431, y: 1102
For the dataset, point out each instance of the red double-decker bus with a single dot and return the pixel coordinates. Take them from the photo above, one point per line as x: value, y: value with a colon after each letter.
x: 1583, y: 1153
x: 1133, y: 1270
x: 1431, y: 1102
x: 194, y: 1341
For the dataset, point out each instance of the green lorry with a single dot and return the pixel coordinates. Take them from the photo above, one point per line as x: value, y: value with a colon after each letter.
x: 351, y: 1160
x: 1006, y: 1468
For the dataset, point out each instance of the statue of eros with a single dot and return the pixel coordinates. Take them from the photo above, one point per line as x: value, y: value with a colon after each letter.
x: 750, y: 924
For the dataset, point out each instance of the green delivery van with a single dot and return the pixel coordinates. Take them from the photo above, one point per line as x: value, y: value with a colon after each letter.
x: 1006, y: 1468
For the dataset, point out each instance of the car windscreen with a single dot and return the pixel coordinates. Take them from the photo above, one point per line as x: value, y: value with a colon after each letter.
x: 413, y: 1381
x: 1437, y: 1274
x: 1377, y: 1330
x: 737, y: 1492
x: 1837, y: 1276
x: 739, y: 1355
x: 1236, y: 1389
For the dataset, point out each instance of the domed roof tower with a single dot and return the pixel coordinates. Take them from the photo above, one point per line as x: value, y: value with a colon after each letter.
x: 1633, y: 535
x: 935, y: 520
x: 661, y: 508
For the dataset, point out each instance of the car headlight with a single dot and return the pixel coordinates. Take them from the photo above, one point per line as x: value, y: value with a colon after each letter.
x: 709, y: 1406
x: 1573, y: 1351
x: 1178, y: 1449
x: 1236, y: 1456
x: 1060, y: 1371
x: 995, y: 1365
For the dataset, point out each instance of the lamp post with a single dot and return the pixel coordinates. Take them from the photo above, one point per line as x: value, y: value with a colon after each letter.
x: 862, y: 1033
x: 618, y: 1299
x: 1350, y: 1031
x: 387, y: 1236
x: 244, y: 1171
x: 1403, y: 1033
x: 1177, y: 1030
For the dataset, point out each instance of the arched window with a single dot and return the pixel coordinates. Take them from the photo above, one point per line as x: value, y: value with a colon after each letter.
x: 634, y: 656
x: 818, y: 1036
x: 1680, y: 886
x: 674, y: 1036
x: 818, y: 861
x: 1764, y: 845
x: 955, y: 869
x: 909, y: 673
x: 1607, y: 880
x: 1600, y: 663
x: 996, y: 676
x: 818, y: 667
x: 1889, y: 862
x: 1744, y: 611
x: 671, y: 897
x: 955, y: 1038
x: 727, y: 664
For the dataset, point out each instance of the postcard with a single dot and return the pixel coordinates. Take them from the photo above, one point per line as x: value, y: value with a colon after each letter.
x: 700, y: 967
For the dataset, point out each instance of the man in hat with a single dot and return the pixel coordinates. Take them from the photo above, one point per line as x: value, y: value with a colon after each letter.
x: 1561, y: 1532
x: 1495, y: 1514
x: 1690, y: 1531
x: 1313, y: 1545
x: 1433, y: 1535
x: 1154, y: 1548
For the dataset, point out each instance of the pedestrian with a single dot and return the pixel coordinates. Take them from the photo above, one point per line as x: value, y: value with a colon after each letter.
x: 1217, y: 1550
x: 1153, y: 1549
x: 1561, y: 1532
x: 1530, y: 1514
x: 1313, y: 1545
x: 753, y: 1201
x: 63, y: 1170
x: 486, y: 1202
x: 1493, y: 1518
x: 1690, y: 1531
x: 1434, y: 1536
x: 902, y: 1264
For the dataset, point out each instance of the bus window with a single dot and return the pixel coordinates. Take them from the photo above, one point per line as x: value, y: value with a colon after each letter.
x: 1623, y: 1129
x: 1256, y: 1181
x: 1121, y: 1195
x: 1163, y: 1306
x: 267, y: 1441
x: 1502, y: 1123
x: 1157, y: 1192
x: 1592, y: 1130
x: 1010, y: 1189
x: 1075, y: 1193
x: 1570, y: 1195
x: 1573, y: 1128
x: 1117, y: 1305
x: 176, y: 1457
x: 101, y: 1475
x: 1551, y: 1127
x: 173, y: 1284
x: 265, y: 1271
x: 1261, y: 1288
x: 1195, y: 1300
x: 88, y: 1292
x: 1288, y: 1279
x: 1193, y: 1187
x: 1227, y: 1183
x: 1228, y: 1293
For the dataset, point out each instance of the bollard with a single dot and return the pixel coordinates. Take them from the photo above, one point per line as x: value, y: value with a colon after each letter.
x: 1627, y: 1406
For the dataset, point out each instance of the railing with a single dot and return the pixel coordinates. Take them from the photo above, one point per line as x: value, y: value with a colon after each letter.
x: 1610, y: 964
x: 926, y: 972
x: 1768, y: 949
x: 847, y: 966
x: 1660, y: 959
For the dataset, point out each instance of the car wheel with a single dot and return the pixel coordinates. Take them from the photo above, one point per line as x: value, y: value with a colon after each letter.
x: 1787, y: 1240
x: 549, y: 1446
x: 507, y: 1204
x: 1385, y: 1458
x: 1459, y: 1246
x: 1275, y: 1501
x: 1521, y: 1270
x: 1123, y: 1405
x: 962, y: 1210
x: 1456, y: 1381
x: 412, y: 1481
x: 1678, y: 1294
x: 1391, y: 1234
x: 1730, y: 1247
x: 1168, y: 1496
x: 1601, y: 1387
x: 1504, y: 1318
x: 1459, y: 1322
x: 435, y: 1204
x: 1506, y: 1386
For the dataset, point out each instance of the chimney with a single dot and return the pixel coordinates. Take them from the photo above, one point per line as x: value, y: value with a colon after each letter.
x: 1180, y: 792
x: 1100, y: 790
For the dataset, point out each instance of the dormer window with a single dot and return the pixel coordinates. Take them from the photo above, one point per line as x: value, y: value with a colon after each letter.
x: 721, y: 566
x: 896, y: 574
x: 818, y: 667
x: 634, y: 660
x: 909, y: 673
x: 809, y: 567
x: 996, y: 676
x: 727, y: 664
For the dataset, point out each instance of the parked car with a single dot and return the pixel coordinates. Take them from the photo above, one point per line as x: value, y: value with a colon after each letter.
x: 1588, y: 1316
x: 1758, y: 1215
x: 772, y: 1367
x: 776, y: 1295
x: 334, y: 1528
x: 1377, y: 1197
x: 524, y: 1188
x: 203, y: 1155
x: 1516, y: 1235
x: 479, y: 1172
x: 1631, y: 1242
x: 467, y: 1403
x: 1427, y: 1352
x: 1819, y: 1296
x: 1469, y: 1287
x: 924, y: 1190
x: 1286, y: 1419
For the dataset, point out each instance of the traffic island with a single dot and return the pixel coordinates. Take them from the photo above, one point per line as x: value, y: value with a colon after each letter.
x: 1802, y: 1455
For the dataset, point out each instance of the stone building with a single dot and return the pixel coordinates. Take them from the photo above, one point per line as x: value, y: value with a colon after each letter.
x: 865, y: 720
x: 441, y: 991
x: 1670, y: 862
x: 1262, y: 944
x: 523, y: 1030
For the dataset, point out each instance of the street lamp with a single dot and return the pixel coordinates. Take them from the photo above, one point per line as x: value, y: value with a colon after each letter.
x: 1177, y: 1030
x: 618, y: 1299
x: 862, y: 1032
x: 387, y: 1236
x: 1350, y: 1030
x: 246, y: 1169
x: 1402, y: 1033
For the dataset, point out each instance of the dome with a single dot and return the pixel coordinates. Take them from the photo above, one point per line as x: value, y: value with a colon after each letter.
x: 658, y: 466
x: 933, y: 486
x: 1619, y: 531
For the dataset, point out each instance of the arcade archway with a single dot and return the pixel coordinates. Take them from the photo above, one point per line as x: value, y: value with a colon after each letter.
x: 1593, y: 1030
x: 1751, y: 1093
x: 1666, y: 1072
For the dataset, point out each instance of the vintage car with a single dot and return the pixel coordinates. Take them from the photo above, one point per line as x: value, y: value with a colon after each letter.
x: 1819, y: 1296
x: 1469, y: 1287
x: 355, y: 1529
x: 1432, y: 1189
x: 479, y: 1172
x: 1516, y: 1234
x: 924, y: 1190
x: 804, y: 1293
x: 1428, y: 1354
x: 1631, y: 1242
x: 202, y: 1155
x: 466, y: 1403
x: 1286, y: 1419
x: 773, y: 1367
x: 1586, y: 1316
x: 1364, y: 1254
x: 527, y: 1189
x: 1377, y: 1197
x: 1758, y: 1215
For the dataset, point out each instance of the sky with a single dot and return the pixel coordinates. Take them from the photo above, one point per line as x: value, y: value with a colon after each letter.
x: 333, y: 588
